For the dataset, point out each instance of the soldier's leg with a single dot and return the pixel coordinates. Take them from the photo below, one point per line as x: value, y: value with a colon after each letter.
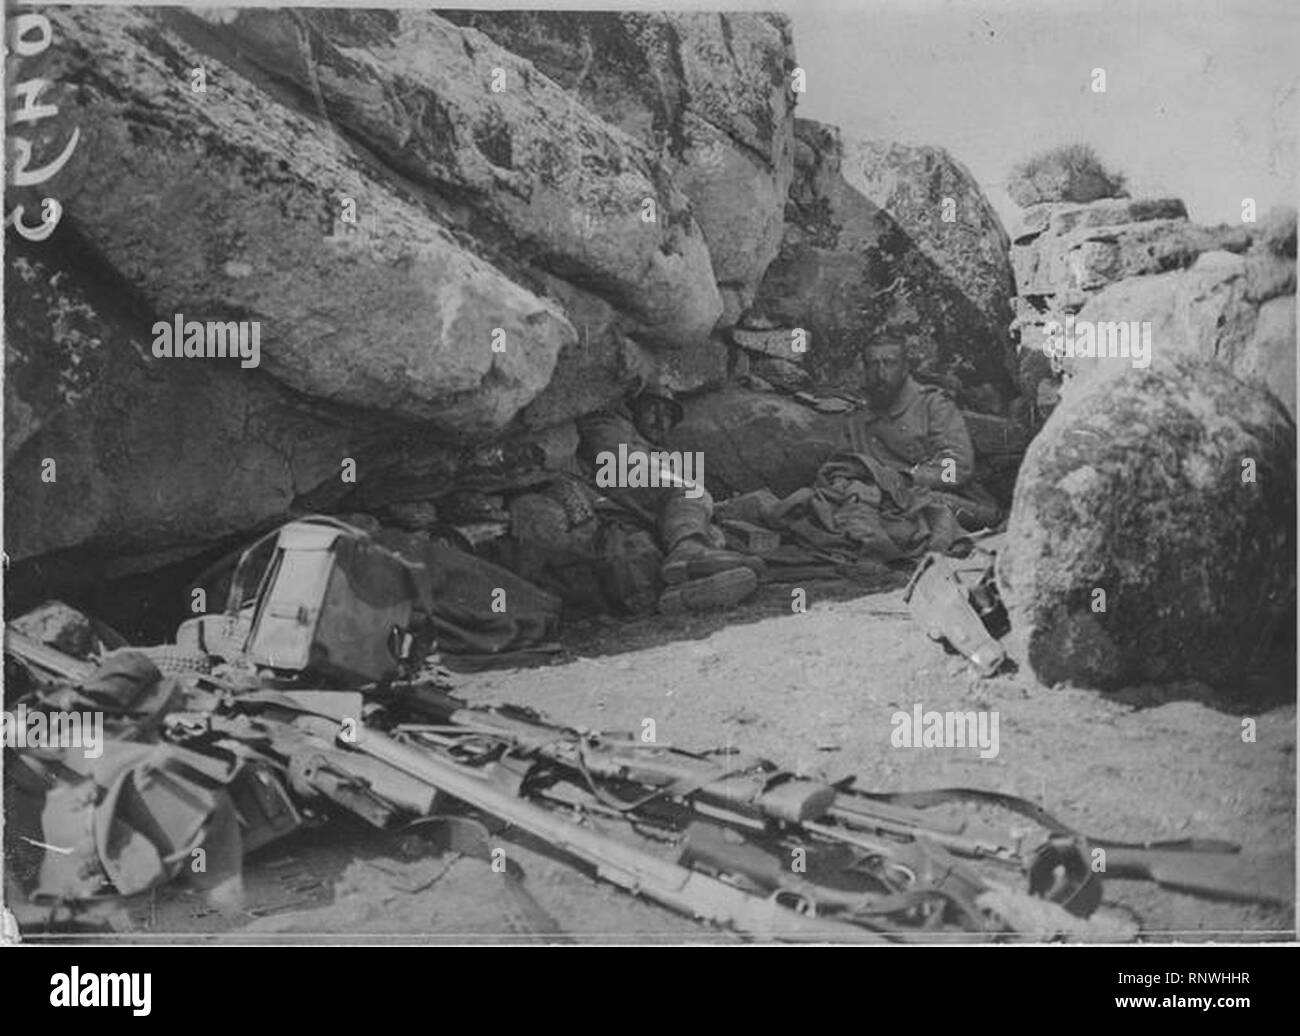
x: 699, y: 573
x: 601, y: 435
x: 694, y: 544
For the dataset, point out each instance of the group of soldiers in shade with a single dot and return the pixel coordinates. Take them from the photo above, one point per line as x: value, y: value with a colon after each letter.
x: 908, y: 445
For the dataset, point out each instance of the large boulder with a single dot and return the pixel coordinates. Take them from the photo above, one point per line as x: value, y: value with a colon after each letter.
x: 225, y: 204
x: 708, y: 93
x: 477, y: 211
x: 1057, y: 218
x: 150, y: 457
x: 1140, y: 259
x: 752, y: 440
x: 1152, y: 532
x: 967, y: 244
x: 1269, y: 358
x: 1213, y: 311
x: 1089, y: 257
x: 601, y: 364
x: 1064, y: 250
x: 478, y: 125
x: 866, y: 248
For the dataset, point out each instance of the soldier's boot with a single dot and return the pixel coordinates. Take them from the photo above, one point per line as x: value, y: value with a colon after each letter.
x: 692, y: 543
x: 692, y: 559
x: 723, y: 589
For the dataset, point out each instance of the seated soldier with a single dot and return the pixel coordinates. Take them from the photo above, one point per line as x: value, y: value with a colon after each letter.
x: 699, y: 574
x: 917, y: 430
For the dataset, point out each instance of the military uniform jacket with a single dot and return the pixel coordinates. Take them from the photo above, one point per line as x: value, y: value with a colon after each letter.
x: 919, y: 431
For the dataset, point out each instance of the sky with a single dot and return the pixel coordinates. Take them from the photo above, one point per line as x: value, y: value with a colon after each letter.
x: 1202, y: 98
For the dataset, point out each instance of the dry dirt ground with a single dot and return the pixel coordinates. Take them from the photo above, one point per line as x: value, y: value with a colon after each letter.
x: 814, y: 692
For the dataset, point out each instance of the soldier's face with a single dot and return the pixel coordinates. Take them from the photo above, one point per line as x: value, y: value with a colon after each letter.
x: 886, y: 368
x: 653, y: 419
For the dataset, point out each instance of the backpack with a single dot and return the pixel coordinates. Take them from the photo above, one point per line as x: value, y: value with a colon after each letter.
x: 329, y: 601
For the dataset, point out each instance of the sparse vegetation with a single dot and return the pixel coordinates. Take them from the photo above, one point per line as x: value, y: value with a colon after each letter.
x: 1072, y: 172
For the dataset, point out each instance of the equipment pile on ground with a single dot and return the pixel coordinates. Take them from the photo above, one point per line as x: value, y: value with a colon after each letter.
x: 325, y: 698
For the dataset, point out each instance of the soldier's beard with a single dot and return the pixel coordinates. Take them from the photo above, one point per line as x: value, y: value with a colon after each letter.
x: 882, y: 393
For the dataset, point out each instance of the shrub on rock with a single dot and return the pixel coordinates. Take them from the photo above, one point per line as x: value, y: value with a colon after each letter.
x: 1069, y: 173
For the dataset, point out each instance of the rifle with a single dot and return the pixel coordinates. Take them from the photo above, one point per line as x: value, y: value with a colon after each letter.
x: 1202, y: 866
x: 751, y: 788
x: 756, y: 791
x: 924, y: 890
x: 669, y: 884
x: 724, y: 851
